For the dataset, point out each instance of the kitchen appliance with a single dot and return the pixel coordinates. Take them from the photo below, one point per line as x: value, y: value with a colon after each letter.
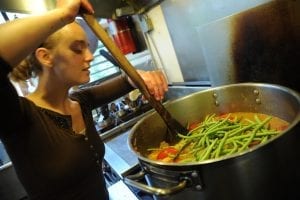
x: 266, y: 172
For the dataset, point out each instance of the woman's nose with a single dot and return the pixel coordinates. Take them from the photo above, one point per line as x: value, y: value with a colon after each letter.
x: 89, y: 55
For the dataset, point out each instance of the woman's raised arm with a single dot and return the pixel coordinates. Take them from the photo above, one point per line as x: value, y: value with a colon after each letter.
x: 21, y: 36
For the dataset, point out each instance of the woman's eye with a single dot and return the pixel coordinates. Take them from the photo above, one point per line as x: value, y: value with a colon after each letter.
x: 78, y: 47
x: 77, y: 51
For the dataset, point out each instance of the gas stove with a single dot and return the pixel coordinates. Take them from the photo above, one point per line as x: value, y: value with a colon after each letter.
x: 120, y: 161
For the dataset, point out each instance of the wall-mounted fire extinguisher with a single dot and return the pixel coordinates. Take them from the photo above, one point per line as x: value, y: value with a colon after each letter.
x: 120, y: 31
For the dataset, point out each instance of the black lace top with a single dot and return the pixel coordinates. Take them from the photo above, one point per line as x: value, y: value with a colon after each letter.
x: 51, y: 161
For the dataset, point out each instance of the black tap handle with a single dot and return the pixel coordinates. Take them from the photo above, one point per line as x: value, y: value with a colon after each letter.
x: 109, y: 57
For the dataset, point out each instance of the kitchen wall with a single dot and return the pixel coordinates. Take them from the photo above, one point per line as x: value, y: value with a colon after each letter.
x: 197, y: 43
x: 161, y: 46
x: 181, y: 19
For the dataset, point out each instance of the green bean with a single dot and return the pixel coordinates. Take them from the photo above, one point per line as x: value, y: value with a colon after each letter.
x: 236, y: 119
x: 209, y: 118
x: 200, y: 142
x: 207, y: 143
x: 219, y: 123
x: 254, y: 133
x: 257, y: 119
x: 206, y: 155
x: 264, y: 139
x: 241, y: 130
x: 225, y: 151
x: 226, y: 128
x: 216, y: 137
x: 190, y: 136
x: 198, y: 154
x: 221, y: 144
x: 249, y: 121
x: 271, y: 133
x: 235, y: 147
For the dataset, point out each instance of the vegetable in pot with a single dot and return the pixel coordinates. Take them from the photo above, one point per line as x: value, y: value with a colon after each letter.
x: 219, y: 136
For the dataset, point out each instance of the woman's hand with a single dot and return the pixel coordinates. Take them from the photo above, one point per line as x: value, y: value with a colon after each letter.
x: 73, y: 7
x: 156, y: 83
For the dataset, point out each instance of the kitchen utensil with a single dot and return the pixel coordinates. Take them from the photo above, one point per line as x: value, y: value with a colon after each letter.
x: 173, y: 125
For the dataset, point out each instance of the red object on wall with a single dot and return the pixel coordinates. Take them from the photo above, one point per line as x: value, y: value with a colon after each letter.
x: 121, y: 34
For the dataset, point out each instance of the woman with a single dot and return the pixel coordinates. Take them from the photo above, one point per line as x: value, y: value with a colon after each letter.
x: 49, y: 134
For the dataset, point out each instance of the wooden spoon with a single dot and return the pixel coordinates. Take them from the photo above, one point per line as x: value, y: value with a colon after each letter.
x: 173, y: 125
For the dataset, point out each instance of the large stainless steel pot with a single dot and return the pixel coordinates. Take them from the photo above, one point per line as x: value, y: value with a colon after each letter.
x: 268, y: 171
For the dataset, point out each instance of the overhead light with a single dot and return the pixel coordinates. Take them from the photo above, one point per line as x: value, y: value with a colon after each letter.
x: 36, y: 6
x: 27, y: 6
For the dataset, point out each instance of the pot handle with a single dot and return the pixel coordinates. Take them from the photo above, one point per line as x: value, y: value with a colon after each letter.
x: 152, y: 190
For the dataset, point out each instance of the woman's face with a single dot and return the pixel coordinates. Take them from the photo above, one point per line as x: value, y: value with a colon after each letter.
x: 71, y: 56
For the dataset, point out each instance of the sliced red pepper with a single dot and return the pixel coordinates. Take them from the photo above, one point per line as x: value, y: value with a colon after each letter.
x: 282, y: 128
x: 166, y: 152
x: 193, y: 126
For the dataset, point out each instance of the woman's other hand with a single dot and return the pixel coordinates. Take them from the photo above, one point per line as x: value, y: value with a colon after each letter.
x: 156, y: 83
x: 73, y: 7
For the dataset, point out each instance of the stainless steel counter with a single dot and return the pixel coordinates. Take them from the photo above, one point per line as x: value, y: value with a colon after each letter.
x: 118, y: 154
x: 120, y: 191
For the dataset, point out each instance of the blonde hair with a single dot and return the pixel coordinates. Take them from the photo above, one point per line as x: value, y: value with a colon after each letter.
x: 23, y: 71
x: 30, y: 67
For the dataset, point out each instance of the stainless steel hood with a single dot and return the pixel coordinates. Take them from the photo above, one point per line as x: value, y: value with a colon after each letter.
x: 103, y: 8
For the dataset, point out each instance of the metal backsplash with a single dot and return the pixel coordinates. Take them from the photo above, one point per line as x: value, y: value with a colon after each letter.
x: 183, y: 29
x: 236, y: 41
x: 260, y: 44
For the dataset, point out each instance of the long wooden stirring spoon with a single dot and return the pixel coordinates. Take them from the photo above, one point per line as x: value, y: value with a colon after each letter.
x: 173, y: 125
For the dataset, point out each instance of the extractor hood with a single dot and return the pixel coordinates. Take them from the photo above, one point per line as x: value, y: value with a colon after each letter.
x: 103, y: 8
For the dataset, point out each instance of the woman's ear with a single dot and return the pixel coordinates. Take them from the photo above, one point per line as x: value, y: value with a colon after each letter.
x: 43, y: 55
